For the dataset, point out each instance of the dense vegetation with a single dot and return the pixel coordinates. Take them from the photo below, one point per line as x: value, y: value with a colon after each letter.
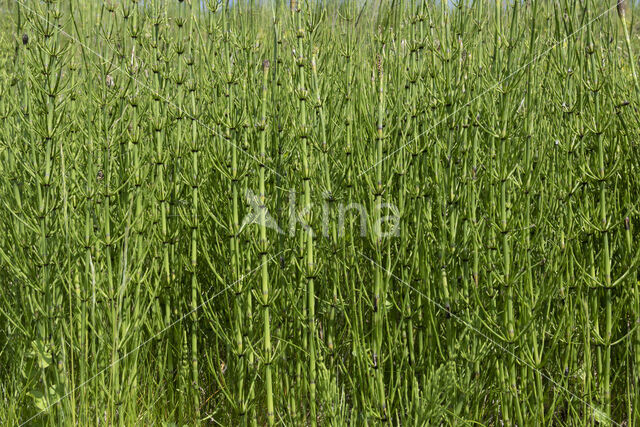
x: 333, y: 213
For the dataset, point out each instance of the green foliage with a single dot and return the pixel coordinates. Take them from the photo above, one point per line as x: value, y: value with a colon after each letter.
x: 319, y: 213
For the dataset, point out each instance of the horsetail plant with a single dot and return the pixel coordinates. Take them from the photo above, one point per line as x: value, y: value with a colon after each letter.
x: 145, y: 283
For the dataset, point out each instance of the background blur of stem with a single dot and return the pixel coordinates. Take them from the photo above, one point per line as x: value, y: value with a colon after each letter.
x: 138, y: 137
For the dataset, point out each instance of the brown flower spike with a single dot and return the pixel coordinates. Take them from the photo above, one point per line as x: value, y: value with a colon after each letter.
x: 622, y: 8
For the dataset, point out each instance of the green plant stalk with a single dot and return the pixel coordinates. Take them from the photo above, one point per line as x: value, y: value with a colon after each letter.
x: 108, y: 240
x: 308, y: 232
x: 264, y: 244
x: 413, y: 189
x: 529, y: 134
x: 160, y: 187
x: 635, y: 341
x: 176, y: 148
x: 45, y: 180
x: 607, y: 275
x: 627, y: 39
x: 379, y: 299
x: 329, y: 200
x: 234, y: 222
x: 195, y: 222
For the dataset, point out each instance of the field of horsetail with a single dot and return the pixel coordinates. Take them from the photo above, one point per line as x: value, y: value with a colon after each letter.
x: 301, y: 213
